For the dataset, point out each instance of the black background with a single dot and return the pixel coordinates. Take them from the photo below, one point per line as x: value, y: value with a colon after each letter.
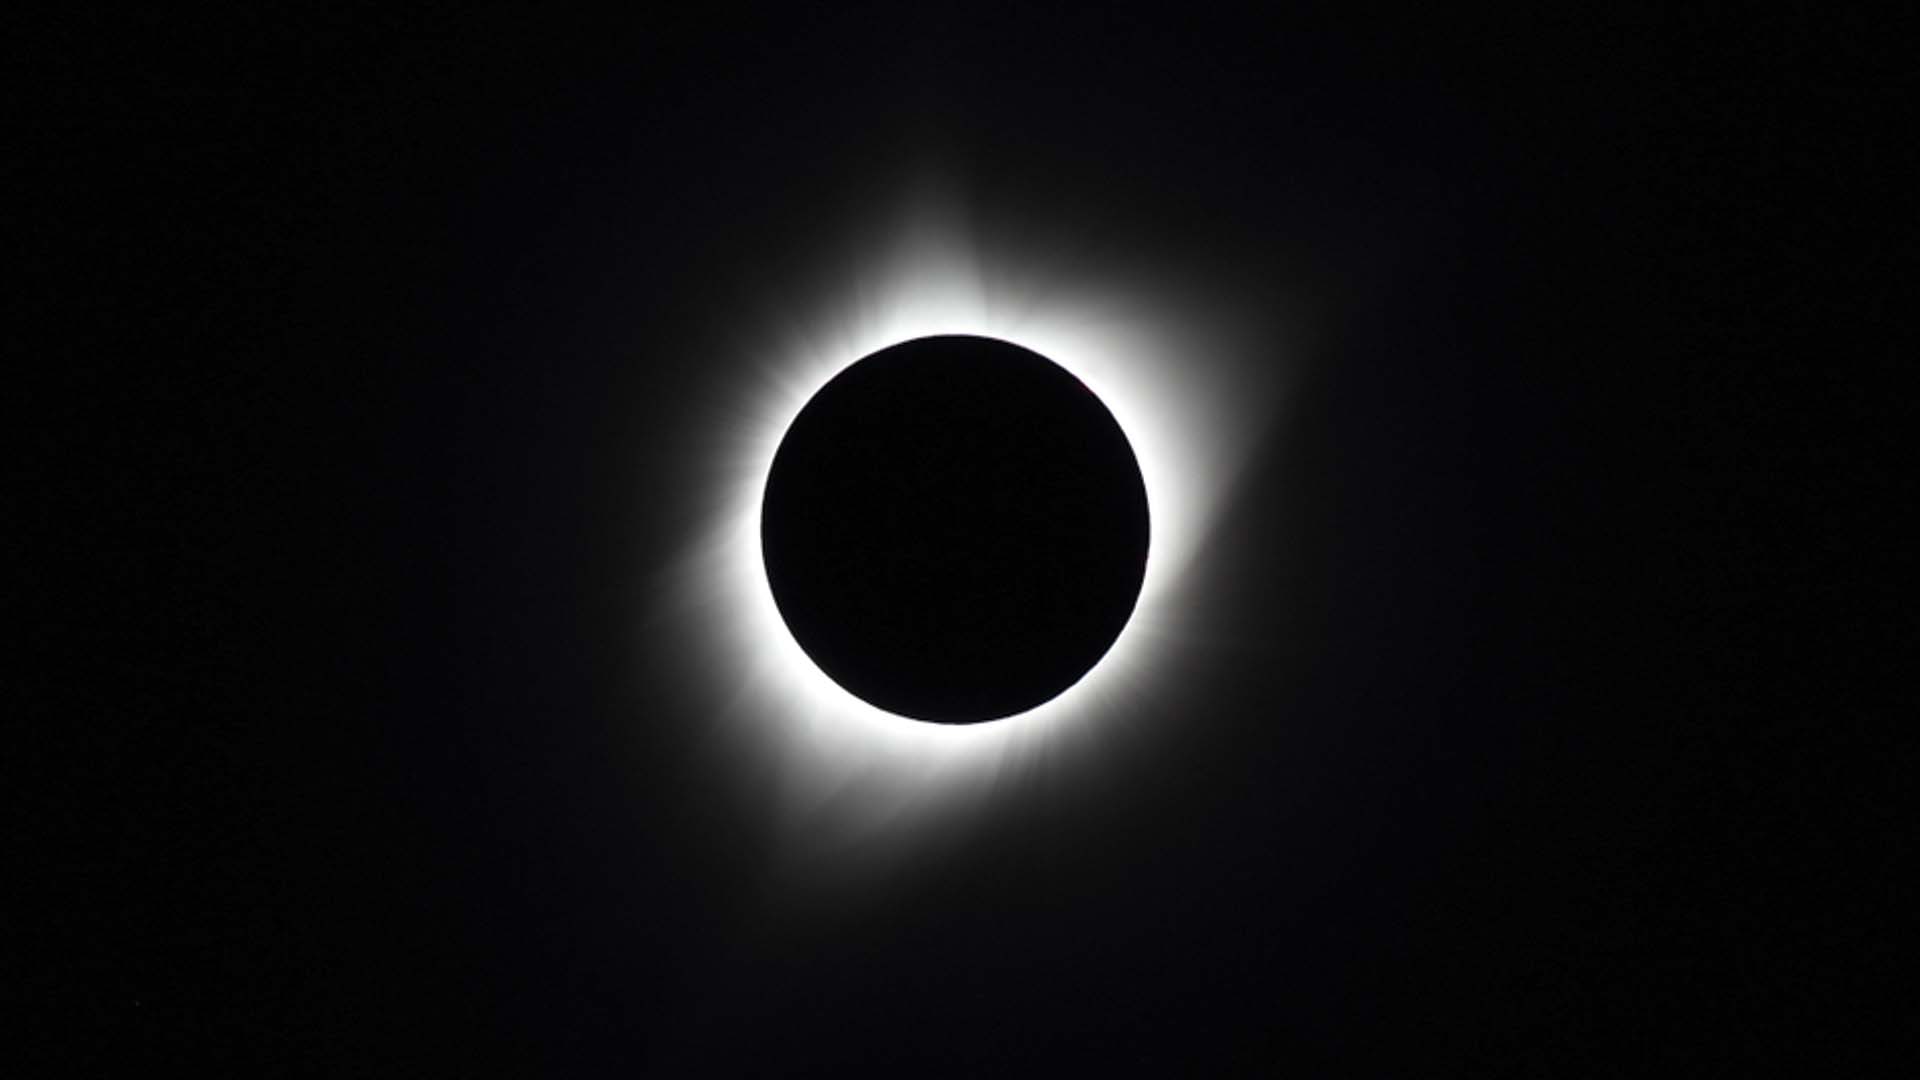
x: 1541, y: 733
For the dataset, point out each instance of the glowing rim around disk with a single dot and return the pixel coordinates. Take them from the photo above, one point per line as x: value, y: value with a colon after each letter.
x: 1185, y: 374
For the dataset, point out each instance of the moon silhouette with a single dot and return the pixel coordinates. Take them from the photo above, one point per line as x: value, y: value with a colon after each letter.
x: 955, y: 529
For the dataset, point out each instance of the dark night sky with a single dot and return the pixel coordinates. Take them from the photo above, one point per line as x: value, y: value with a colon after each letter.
x: 1540, y: 732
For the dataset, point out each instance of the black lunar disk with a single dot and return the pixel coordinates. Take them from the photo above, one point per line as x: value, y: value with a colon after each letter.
x: 955, y: 529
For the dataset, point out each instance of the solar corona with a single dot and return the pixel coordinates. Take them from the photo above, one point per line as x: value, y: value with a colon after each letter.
x: 952, y: 501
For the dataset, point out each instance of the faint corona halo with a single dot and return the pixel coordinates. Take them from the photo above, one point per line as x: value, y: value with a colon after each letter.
x: 955, y: 529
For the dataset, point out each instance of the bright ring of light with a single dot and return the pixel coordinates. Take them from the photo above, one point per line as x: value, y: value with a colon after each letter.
x: 1190, y: 378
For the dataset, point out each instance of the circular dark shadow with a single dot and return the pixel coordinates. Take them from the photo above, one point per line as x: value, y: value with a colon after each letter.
x: 955, y: 529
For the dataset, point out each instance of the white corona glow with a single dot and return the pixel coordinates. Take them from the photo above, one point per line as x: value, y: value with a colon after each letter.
x: 1191, y: 378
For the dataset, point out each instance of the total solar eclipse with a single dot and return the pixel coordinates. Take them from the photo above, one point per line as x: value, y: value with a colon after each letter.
x: 955, y: 529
